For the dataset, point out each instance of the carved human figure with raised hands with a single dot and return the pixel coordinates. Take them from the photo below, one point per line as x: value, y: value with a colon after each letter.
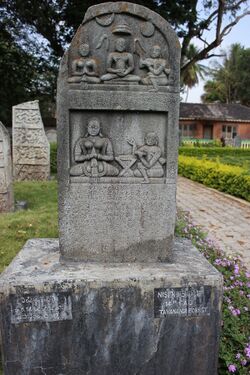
x: 158, y: 70
x: 150, y: 161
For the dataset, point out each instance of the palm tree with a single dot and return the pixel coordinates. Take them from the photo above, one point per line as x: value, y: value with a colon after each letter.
x: 191, y: 76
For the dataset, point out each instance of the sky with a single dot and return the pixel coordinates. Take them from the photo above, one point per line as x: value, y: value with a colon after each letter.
x: 239, y: 34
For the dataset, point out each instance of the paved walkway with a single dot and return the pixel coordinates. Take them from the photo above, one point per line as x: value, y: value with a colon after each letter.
x: 225, y: 218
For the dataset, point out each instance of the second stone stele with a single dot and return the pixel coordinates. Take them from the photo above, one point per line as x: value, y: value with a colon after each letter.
x: 6, y: 183
x: 118, y: 106
x: 31, y: 150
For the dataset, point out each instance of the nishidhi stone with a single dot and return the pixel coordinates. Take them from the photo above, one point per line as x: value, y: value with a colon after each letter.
x: 6, y: 187
x: 31, y: 151
x: 118, y: 106
x: 137, y: 301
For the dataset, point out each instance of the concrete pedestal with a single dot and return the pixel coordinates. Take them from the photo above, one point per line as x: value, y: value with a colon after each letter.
x: 109, y: 319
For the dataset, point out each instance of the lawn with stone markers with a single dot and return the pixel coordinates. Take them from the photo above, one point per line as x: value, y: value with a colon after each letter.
x: 40, y: 220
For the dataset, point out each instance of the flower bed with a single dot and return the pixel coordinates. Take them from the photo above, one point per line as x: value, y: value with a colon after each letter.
x: 234, y: 354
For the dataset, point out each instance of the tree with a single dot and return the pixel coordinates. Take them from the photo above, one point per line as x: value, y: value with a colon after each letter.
x: 230, y: 81
x: 57, y: 20
x: 17, y: 75
x: 25, y: 73
x: 191, y: 76
x: 243, y: 82
x: 43, y: 29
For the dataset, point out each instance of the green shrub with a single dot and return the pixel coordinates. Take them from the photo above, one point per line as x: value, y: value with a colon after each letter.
x: 229, y: 179
x: 53, y: 158
x: 214, y: 151
x: 192, y: 142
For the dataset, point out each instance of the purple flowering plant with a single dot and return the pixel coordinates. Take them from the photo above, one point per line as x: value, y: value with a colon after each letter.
x: 234, y: 353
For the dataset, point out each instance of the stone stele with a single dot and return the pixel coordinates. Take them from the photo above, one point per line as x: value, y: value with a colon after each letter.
x: 6, y: 188
x: 117, y: 122
x: 31, y: 151
x: 116, y: 295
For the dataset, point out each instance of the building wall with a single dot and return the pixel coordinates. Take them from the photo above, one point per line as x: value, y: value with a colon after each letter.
x: 243, y: 129
x: 217, y: 130
x: 198, y: 130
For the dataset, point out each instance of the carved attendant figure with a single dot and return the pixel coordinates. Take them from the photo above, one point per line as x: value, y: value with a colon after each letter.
x: 84, y: 69
x: 149, y: 155
x: 93, y: 153
x: 120, y: 64
x: 157, y: 67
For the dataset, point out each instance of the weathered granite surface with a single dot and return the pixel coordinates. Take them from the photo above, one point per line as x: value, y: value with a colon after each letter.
x: 31, y: 154
x: 85, y: 318
x: 117, y: 113
x: 6, y: 187
x: 116, y: 295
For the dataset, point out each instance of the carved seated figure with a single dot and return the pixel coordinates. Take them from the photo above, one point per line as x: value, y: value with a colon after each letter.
x: 84, y: 69
x: 149, y: 158
x: 120, y: 64
x: 158, y: 71
x: 93, y: 154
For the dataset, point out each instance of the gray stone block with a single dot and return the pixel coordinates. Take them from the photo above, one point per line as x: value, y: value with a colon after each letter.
x: 31, y: 150
x: 6, y: 181
x: 126, y: 319
x: 118, y: 106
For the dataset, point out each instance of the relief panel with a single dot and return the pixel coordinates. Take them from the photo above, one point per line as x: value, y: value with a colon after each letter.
x: 127, y: 146
x: 31, y: 155
x: 26, y: 117
x: 120, y: 49
x: 30, y: 137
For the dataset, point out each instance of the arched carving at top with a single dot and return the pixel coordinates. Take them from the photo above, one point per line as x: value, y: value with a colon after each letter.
x: 124, y: 43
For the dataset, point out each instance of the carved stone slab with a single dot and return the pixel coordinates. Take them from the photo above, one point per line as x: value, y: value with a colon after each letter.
x: 98, y: 319
x: 6, y: 188
x: 118, y: 103
x: 31, y: 159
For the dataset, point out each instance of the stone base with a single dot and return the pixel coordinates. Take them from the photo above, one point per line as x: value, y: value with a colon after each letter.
x: 109, y: 319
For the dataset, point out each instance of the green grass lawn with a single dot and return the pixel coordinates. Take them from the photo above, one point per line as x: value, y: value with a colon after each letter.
x: 40, y: 220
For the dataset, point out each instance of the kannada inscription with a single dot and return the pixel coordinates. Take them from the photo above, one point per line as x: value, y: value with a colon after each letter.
x: 185, y: 301
x: 50, y: 307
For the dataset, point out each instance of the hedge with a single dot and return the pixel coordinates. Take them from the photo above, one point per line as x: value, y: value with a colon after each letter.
x: 229, y: 179
x: 214, y: 151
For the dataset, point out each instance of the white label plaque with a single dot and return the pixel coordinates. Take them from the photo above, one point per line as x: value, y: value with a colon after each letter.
x: 50, y: 307
x: 185, y: 301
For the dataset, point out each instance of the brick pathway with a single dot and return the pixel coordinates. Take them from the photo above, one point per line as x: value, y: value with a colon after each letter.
x: 225, y: 218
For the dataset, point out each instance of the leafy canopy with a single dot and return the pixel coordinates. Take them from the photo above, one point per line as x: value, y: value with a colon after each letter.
x: 42, y: 29
x: 230, y: 81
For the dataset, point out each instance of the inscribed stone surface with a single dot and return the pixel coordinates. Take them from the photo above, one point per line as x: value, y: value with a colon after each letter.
x: 118, y: 105
x: 6, y: 188
x: 31, y: 160
x: 107, y: 319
